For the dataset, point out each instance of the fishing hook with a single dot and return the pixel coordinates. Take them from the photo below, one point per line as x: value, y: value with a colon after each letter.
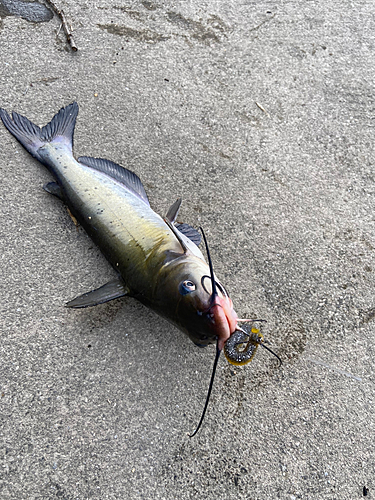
x: 257, y: 341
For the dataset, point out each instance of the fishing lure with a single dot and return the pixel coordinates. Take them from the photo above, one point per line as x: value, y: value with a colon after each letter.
x: 157, y: 260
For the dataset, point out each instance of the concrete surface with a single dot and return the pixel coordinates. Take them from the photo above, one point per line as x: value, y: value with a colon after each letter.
x: 261, y: 116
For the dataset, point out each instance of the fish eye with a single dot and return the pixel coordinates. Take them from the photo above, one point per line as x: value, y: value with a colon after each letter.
x: 187, y: 286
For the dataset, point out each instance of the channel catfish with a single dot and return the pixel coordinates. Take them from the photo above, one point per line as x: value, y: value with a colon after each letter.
x: 157, y: 260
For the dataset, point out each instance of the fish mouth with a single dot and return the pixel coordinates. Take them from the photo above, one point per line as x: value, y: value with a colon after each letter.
x: 223, y: 319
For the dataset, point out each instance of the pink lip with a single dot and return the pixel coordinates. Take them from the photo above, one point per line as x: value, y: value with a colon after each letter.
x: 224, y: 319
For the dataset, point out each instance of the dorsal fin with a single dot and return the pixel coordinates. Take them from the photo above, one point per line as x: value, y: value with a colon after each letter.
x: 173, y: 210
x: 119, y: 173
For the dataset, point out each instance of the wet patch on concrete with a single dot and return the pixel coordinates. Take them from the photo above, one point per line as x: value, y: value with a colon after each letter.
x: 218, y: 472
x: 367, y: 316
x: 294, y: 341
x: 197, y: 30
x: 139, y: 35
x: 30, y: 11
x: 208, y: 31
x: 149, y: 5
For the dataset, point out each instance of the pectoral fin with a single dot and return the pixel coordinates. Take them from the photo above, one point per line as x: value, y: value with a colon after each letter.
x: 189, y: 232
x: 112, y: 290
x: 185, y: 229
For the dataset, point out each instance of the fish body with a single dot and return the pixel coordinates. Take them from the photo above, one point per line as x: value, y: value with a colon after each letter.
x: 156, y: 263
x: 135, y: 239
x: 157, y: 260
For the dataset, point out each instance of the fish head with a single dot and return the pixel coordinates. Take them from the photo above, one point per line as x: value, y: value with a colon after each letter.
x: 186, y: 290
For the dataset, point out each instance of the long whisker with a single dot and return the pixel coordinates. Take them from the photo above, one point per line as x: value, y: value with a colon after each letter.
x: 218, y: 351
x: 214, y: 290
x: 251, y: 320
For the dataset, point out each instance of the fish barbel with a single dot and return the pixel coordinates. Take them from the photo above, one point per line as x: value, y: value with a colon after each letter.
x: 157, y: 260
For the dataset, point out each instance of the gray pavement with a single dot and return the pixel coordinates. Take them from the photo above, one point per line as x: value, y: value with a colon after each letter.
x: 261, y: 116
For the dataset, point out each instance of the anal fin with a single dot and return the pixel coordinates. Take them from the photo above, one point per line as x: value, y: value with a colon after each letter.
x: 111, y: 290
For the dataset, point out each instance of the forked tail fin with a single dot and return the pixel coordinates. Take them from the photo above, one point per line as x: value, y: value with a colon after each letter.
x: 59, y: 130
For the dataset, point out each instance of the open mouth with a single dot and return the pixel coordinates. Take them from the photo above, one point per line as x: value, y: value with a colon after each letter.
x: 223, y: 319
